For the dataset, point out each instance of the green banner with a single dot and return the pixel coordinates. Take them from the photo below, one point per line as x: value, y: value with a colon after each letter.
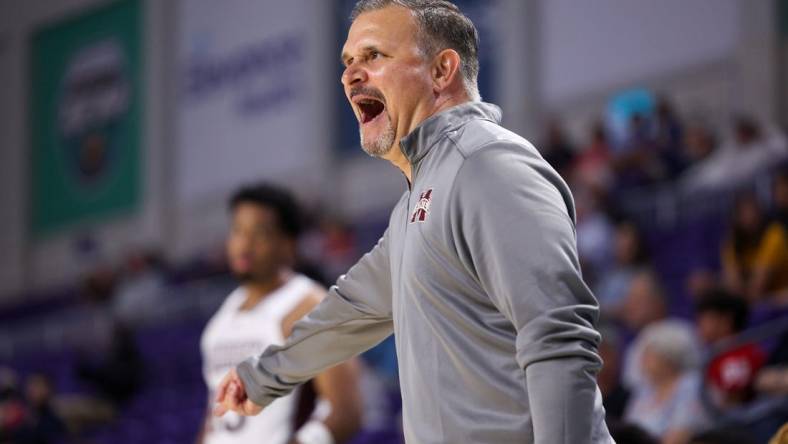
x: 85, y: 119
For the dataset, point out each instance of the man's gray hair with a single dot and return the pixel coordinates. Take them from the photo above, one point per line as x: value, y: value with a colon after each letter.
x: 441, y: 26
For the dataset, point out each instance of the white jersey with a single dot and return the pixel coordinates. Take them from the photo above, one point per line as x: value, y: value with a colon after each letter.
x: 233, y: 335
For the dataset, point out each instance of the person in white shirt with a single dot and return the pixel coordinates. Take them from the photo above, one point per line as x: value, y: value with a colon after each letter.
x: 262, y: 311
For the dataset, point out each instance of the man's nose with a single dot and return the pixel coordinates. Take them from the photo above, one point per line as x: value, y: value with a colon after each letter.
x: 352, y: 75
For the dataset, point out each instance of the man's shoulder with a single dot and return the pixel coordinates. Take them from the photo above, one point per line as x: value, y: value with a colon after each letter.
x: 477, y: 135
x: 498, y: 162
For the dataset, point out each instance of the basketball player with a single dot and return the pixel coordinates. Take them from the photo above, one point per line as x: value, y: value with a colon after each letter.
x: 261, y: 312
x: 477, y: 274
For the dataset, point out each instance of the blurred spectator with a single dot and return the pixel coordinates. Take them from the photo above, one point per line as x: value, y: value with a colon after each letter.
x: 637, y: 165
x: 701, y: 281
x: 141, y: 288
x: 739, y: 161
x: 699, y: 144
x: 773, y: 379
x: 780, y: 197
x: 627, y: 433
x: 667, y: 128
x: 668, y: 407
x: 668, y: 133
x: 754, y: 254
x: 614, y: 394
x: 12, y: 409
x: 723, y: 436
x: 332, y: 245
x: 592, y: 166
x: 721, y: 316
x: 630, y: 258
x: 557, y: 150
x: 99, y: 286
x: 594, y: 235
x: 117, y: 374
x: 645, y: 304
x: 43, y: 425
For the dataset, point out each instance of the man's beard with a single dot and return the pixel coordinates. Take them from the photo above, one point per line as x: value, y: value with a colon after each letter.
x: 383, y: 144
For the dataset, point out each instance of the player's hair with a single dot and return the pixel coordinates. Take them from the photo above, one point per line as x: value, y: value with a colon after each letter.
x: 276, y: 198
x: 721, y: 302
x: 441, y: 25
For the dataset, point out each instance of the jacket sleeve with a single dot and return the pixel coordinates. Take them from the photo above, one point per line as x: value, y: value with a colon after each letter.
x: 513, y: 223
x: 355, y: 316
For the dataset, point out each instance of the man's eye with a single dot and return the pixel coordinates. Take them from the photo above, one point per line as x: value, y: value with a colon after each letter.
x: 373, y: 55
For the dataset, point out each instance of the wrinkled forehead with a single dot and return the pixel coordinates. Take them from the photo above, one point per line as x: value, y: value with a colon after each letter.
x: 393, y: 27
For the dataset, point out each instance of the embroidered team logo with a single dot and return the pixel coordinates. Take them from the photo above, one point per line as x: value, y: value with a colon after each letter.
x: 422, y: 207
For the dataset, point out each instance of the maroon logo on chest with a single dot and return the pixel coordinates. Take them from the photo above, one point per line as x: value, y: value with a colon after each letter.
x: 422, y: 207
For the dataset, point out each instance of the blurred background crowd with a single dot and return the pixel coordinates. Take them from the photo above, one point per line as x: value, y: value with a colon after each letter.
x: 127, y: 125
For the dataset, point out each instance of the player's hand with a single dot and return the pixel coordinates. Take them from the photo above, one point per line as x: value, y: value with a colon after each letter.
x: 231, y: 396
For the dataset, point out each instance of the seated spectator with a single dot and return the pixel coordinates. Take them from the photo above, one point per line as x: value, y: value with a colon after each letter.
x: 699, y: 144
x: 772, y: 380
x: 630, y: 163
x: 592, y: 165
x: 12, y: 409
x: 752, y: 151
x: 138, y: 295
x: 754, y: 254
x: 332, y: 244
x: 629, y: 259
x: 627, y: 433
x: 668, y: 132
x: 720, y: 316
x: 770, y: 269
x: 614, y: 395
x: 668, y: 406
x: 557, y: 150
x: 644, y: 305
x: 780, y: 198
x: 43, y: 424
x: 644, y: 302
x: 723, y: 436
x: 118, y: 374
x: 595, y: 232
x: 700, y: 281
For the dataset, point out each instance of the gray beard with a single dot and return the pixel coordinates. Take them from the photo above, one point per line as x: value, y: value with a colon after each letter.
x: 383, y: 144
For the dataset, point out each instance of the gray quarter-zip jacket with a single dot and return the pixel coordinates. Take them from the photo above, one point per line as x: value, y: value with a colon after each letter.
x: 478, y: 278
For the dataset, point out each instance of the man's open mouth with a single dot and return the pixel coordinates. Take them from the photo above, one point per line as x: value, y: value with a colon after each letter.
x: 369, y: 109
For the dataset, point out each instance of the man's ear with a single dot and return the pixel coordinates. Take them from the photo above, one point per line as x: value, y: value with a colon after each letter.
x: 445, y: 69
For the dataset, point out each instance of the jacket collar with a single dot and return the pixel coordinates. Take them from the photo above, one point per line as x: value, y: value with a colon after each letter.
x: 416, y: 144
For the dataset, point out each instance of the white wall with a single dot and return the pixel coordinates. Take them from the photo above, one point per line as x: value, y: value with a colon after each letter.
x: 218, y: 147
x: 710, y: 57
x: 756, y: 55
x: 602, y: 44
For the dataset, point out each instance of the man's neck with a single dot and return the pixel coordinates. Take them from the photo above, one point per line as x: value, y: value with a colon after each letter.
x: 397, y: 157
x: 258, y: 290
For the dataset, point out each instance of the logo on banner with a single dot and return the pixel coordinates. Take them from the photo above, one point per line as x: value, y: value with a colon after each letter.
x: 95, y: 96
